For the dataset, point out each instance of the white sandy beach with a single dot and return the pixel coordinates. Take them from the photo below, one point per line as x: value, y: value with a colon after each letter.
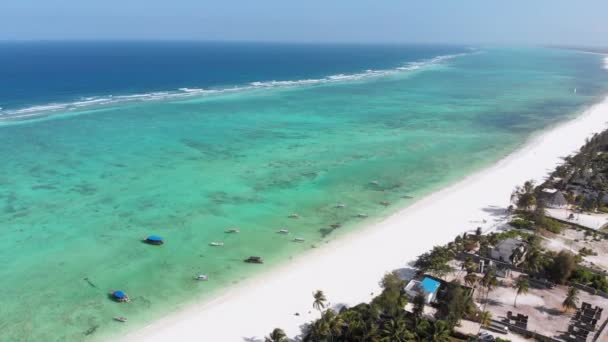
x: 348, y: 269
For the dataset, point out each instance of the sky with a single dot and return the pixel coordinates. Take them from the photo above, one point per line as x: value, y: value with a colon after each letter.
x: 560, y: 22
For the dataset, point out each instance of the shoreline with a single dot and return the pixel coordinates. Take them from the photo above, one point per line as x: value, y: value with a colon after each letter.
x: 349, y: 268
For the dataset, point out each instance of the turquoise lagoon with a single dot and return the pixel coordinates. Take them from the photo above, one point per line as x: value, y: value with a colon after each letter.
x: 79, y: 189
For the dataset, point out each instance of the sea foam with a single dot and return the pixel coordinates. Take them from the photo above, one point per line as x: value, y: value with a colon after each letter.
x: 108, y: 100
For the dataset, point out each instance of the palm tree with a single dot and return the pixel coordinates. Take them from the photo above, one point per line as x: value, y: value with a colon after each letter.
x: 489, y: 281
x: 396, y: 331
x: 419, y: 303
x: 277, y: 335
x: 485, y: 318
x: 441, y: 333
x: 522, y: 285
x: 470, y: 279
x: 571, y: 299
x: 336, y: 323
x: 319, y: 302
x: 470, y: 265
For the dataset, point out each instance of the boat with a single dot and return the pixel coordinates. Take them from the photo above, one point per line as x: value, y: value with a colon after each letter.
x: 335, y: 225
x: 298, y: 240
x: 232, y: 231
x: 154, y: 240
x: 385, y: 203
x: 294, y: 215
x: 361, y: 215
x: 120, y: 319
x: 340, y: 205
x: 254, y: 260
x: 119, y: 296
x: 283, y: 231
x: 374, y: 182
x: 201, y: 277
x: 216, y: 244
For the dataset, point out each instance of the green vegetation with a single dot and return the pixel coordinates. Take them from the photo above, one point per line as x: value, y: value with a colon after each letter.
x: 521, y: 223
x: 385, y: 319
x: 571, y: 299
x: 524, y: 196
x: 319, y: 302
x: 455, y: 304
x: 522, y: 286
x: 435, y: 262
x: 277, y: 335
x: 583, y: 176
x: 585, y: 277
x: 561, y: 268
x: 586, y: 252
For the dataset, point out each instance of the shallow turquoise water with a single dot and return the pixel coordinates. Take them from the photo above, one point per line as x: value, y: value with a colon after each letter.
x: 78, y: 192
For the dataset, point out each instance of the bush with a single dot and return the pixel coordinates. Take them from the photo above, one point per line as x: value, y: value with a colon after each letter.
x: 586, y: 252
x: 588, y: 278
x: 521, y: 223
x: 553, y: 226
x: 563, y: 264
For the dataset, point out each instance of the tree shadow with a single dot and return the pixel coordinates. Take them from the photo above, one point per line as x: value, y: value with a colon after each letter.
x: 550, y: 311
x: 495, y: 210
x: 492, y: 302
x: 252, y: 339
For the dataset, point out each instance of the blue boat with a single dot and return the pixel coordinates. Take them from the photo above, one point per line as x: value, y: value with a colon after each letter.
x: 119, y: 296
x: 154, y: 240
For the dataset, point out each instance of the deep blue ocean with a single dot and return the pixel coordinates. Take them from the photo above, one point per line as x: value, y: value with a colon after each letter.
x: 41, y: 73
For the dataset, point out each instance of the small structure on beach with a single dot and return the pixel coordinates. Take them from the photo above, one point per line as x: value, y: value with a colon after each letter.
x: 427, y: 287
x: 557, y: 200
x: 512, y: 251
x: 154, y: 240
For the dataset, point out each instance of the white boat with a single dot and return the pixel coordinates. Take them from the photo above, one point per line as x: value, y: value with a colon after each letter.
x: 120, y: 319
x: 341, y: 205
x: 201, y: 277
x: 283, y: 231
x: 216, y: 244
x: 298, y: 240
x: 294, y: 215
x: 361, y: 215
x: 374, y: 182
x: 232, y: 231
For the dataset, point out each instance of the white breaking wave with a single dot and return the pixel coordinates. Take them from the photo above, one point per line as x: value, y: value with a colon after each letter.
x: 99, y: 101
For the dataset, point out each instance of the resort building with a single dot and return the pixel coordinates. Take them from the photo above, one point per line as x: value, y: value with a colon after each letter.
x: 512, y: 251
x: 428, y: 287
x: 557, y: 201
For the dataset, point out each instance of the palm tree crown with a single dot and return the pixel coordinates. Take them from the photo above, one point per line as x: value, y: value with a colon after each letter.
x: 277, y: 335
x: 522, y: 286
x: 571, y: 299
x: 319, y: 302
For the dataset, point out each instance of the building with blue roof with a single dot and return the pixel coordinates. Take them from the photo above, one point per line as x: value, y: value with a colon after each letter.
x: 428, y: 287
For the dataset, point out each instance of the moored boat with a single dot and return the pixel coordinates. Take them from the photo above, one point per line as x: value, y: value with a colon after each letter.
x: 119, y: 296
x: 232, y: 231
x: 254, y: 260
x: 216, y: 244
x: 283, y: 231
x: 298, y: 240
x: 201, y: 277
x: 154, y: 240
x: 120, y: 319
